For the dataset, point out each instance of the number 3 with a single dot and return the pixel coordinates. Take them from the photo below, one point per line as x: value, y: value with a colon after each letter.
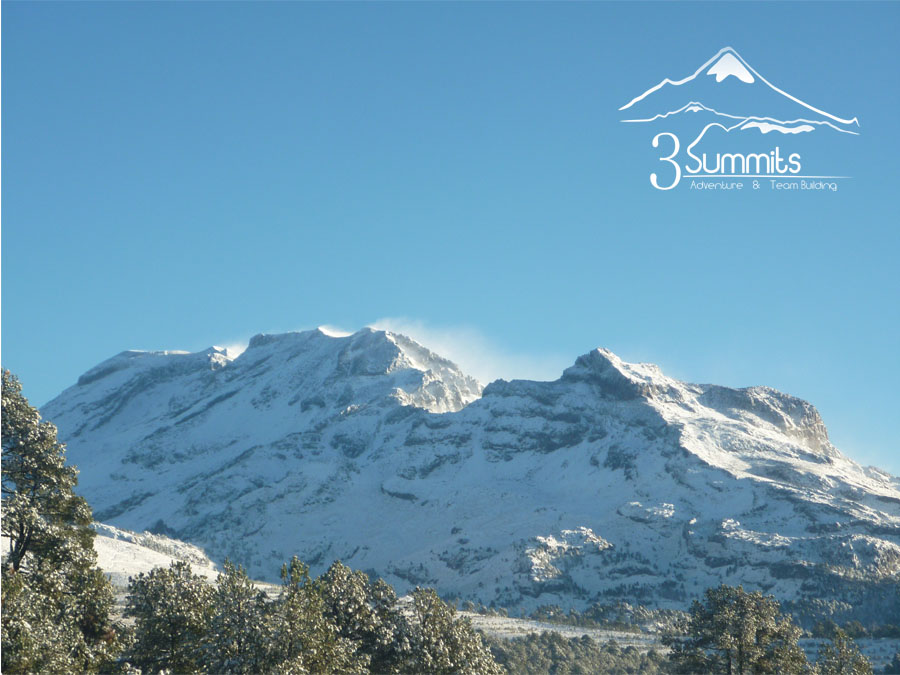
x: 669, y: 159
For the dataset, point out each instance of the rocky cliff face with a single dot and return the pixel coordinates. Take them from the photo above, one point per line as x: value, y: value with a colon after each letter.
x: 614, y: 482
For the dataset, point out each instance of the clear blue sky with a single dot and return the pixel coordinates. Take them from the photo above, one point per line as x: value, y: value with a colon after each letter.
x: 179, y: 175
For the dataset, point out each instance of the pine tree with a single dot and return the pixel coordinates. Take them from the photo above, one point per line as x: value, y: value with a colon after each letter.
x: 303, y: 637
x: 33, y: 639
x: 391, y: 649
x: 172, y: 608
x: 841, y: 657
x: 443, y: 644
x: 367, y: 614
x: 737, y: 632
x: 237, y: 637
x: 56, y: 603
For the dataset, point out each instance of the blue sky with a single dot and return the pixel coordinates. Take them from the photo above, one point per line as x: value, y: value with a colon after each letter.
x: 180, y: 175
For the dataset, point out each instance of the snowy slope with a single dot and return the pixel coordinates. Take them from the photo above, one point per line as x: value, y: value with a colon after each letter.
x: 122, y: 554
x: 613, y: 482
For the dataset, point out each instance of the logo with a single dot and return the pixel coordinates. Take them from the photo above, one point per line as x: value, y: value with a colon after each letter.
x: 726, y: 121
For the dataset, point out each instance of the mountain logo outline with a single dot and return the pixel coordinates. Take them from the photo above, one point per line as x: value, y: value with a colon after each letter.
x: 728, y: 66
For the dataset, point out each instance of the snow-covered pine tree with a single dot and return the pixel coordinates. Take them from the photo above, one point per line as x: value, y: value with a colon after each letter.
x: 237, y: 638
x: 841, y: 656
x: 56, y: 602
x: 444, y: 645
x: 391, y: 649
x: 303, y: 637
x: 738, y: 632
x: 172, y: 609
x: 367, y: 614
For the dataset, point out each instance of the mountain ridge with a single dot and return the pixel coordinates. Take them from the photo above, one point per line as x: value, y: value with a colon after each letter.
x: 613, y: 482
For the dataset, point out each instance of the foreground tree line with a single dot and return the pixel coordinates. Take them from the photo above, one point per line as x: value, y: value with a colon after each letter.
x: 337, y: 623
x: 57, y: 607
x: 730, y: 631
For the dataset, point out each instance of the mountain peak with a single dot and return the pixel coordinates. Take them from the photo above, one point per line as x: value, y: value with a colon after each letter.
x: 172, y: 361
x: 729, y: 65
x: 375, y: 364
x: 615, y: 377
x: 677, y: 401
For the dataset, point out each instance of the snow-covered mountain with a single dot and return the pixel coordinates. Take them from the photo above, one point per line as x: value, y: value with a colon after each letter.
x: 613, y: 482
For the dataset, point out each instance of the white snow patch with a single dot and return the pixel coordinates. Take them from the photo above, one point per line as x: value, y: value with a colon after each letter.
x: 766, y: 127
x: 331, y: 331
x: 122, y: 554
x: 727, y: 66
